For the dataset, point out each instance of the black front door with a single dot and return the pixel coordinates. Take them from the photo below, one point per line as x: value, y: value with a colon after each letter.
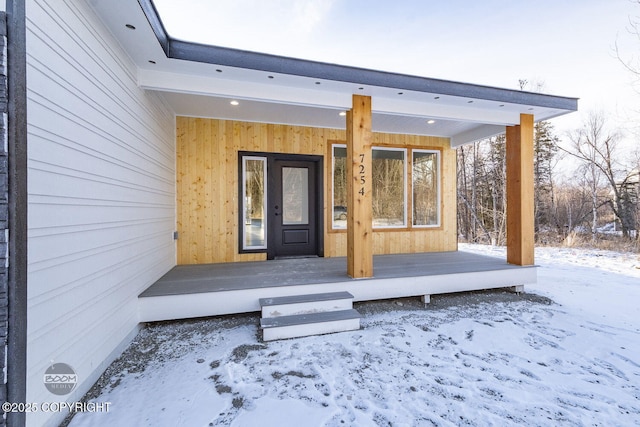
x: 294, y: 211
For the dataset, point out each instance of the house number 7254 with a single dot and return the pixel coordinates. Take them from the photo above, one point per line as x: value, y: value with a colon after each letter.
x: 362, y: 179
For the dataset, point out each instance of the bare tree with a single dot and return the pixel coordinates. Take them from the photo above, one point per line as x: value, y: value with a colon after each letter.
x: 496, y: 177
x: 631, y: 62
x: 630, y: 190
x: 572, y: 208
x: 481, y: 191
x: 545, y: 149
x: 464, y: 224
x: 596, y: 148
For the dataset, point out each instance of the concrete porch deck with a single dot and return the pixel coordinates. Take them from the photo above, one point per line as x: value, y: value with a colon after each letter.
x: 215, y: 289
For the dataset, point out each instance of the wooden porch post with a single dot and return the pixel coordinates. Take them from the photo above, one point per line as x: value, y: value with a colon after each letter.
x: 359, y: 206
x: 520, y: 197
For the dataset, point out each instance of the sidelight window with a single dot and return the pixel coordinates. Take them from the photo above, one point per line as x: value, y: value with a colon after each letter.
x: 339, y: 188
x: 254, y: 179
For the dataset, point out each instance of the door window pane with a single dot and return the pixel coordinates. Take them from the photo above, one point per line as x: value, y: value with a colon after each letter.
x: 426, y: 188
x: 295, y: 196
x: 254, y: 177
x: 388, y: 186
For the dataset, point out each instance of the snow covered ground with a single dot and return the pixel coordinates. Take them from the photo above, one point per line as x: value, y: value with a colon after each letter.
x: 567, y: 352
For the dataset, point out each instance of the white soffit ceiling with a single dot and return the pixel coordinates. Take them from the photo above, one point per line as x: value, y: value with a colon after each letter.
x: 205, y: 90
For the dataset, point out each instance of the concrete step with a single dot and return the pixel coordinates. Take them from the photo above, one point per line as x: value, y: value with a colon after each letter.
x: 305, y: 304
x: 302, y: 325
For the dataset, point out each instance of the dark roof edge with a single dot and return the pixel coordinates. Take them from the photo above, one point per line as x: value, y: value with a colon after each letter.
x: 150, y: 11
x: 223, y: 56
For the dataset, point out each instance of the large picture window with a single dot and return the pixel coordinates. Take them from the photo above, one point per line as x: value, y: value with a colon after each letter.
x: 426, y: 188
x: 388, y: 170
x: 390, y: 189
x: 254, y: 179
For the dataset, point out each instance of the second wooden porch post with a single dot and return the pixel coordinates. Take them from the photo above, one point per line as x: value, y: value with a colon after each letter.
x: 520, y: 221
x: 359, y: 206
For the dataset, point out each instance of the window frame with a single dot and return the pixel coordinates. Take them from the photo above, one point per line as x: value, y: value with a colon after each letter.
x: 244, y: 248
x: 438, y: 154
x: 332, y: 181
x: 408, y: 187
x: 405, y: 221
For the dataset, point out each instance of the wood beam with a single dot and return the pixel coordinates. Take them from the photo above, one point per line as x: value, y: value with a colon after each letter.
x: 520, y: 196
x: 359, y: 203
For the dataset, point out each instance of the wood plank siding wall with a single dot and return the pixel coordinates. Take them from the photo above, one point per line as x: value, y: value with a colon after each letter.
x: 101, y: 195
x: 207, y: 187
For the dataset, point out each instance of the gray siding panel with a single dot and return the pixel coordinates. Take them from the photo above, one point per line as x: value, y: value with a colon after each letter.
x: 4, y: 212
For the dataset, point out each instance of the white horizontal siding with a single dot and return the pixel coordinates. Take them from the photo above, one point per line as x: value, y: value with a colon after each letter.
x: 101, y: 184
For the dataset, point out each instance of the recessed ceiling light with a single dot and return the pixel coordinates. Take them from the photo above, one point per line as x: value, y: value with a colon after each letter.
x: 400, y: 93
x: 234, y: 102
x: 436, y: 97
x: 317, y: 83
x: 270, y: 77
x: 342, y: 113
x: 431, y: 121
x: 218, y: 70
x: 360, y: 88
x: 131, y: 27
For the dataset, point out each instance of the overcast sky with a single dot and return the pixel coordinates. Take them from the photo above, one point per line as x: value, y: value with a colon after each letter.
x: 568, y: 45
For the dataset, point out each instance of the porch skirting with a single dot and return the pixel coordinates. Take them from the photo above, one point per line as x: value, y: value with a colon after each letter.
x: 215, y: 289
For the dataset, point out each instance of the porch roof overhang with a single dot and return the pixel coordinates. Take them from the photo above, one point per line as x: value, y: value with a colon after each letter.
x: 201, y: 80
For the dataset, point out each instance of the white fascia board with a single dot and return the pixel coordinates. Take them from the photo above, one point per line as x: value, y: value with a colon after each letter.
x: 202, y: 85
x: 446, y: 111
x: 476, y: 134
